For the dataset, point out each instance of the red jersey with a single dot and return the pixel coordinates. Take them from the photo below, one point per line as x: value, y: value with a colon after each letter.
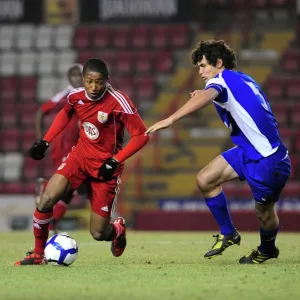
x: 64, y: 141
x: 103, y: 121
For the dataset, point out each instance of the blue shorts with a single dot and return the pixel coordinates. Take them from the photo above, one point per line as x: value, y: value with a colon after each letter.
x: 266, y: 177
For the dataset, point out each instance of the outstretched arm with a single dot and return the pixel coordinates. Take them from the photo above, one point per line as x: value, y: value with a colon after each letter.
x: 60, y: 122
x: 199, y: 100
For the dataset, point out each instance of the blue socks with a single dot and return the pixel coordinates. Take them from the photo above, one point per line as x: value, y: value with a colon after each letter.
x: 267, y: 239
x: 219, y: 208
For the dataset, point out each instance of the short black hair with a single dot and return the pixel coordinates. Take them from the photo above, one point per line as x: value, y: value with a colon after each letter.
x: 214, y: 50
x: 96, y: 65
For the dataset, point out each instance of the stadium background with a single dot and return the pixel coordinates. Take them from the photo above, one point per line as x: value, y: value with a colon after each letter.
x: 147, y: 46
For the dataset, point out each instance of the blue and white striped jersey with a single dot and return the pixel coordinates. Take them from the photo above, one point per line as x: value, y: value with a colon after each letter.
x: 244, y: 109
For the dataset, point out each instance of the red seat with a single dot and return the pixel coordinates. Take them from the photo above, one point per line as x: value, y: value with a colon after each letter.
x: 109, y: 58
x: 120, y: 38
x: 126, y: 85
x: 231, y: 189
x: 10, y: 140
x: 29, y: 187
x: 8, y: 89
x: 295, y: 116
x: 9, y: 115
x: 145, y: 87
x: 28, y: 138
x: 163, y: 62
x: 27, y: 113
x: 144, y: 62
x: 280, y: 111
x: 124, y: 63
x: 293, y: 87
x: 290, y: 65
x: 140, y: 36
x: 274, y: 87
x: 84, y: 55
x: 160, y: 36
x: 31, y: 169
x: 101, y: 37
x: 179, y: 36
x: 82, y: 38
x: 28, y: 89
x: 292, y: 189
x: 12, y: 188
x: 288, y: 137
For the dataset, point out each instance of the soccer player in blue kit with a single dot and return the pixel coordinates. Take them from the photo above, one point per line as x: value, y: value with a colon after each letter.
x: 259, y: 157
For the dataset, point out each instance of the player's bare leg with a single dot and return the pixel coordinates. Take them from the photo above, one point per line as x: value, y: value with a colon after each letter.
x: 209, y: 181
x: 102, y: 229
x: 57, y: 186
x: 269, y: 223
x: 39, y: 189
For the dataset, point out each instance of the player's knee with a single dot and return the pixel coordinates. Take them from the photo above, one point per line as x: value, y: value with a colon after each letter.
x: 202, y: 182
x: 46, y: 202
x: 265, y: 216
x: 98, y: 235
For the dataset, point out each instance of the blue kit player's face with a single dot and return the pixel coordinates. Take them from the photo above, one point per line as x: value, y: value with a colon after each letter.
x: 208, y: 71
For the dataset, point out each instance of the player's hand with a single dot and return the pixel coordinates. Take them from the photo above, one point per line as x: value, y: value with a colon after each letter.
x: 107, y: 170
x: 160, y: 125
x: 196, y: 92
x: 38, y: 149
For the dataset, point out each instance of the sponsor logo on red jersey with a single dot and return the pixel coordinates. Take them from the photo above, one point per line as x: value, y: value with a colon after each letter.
x: 90, y: 130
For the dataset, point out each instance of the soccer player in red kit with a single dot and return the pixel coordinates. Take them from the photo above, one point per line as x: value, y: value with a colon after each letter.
x: 98, y: 158
x: 63, y: 142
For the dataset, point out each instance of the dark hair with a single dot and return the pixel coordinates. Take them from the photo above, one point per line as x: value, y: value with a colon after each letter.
x: 214, y: 50
x: 96, y: 65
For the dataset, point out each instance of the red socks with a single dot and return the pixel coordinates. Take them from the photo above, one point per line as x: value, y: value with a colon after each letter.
x: 59, y: 210
x: 41, y: 223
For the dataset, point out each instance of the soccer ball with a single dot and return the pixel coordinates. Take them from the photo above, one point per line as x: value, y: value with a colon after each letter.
x: 61, y: 250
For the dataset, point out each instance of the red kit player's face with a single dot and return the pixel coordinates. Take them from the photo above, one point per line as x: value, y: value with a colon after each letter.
x: 94, y: 84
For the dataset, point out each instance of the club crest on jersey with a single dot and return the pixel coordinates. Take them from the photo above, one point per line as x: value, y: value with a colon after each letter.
x: 102, y: 116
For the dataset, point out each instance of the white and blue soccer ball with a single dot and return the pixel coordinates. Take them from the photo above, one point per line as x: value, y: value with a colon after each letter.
x: 61, y: 250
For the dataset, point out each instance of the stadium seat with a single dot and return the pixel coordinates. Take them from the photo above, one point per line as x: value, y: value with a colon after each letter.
x: 288, y: 136
x: 11, y: 188
x: 28, y: 138
x: 84, y: 55
x: 293, y: 87
x: 110, y: 59
x: 7, y: 37
x: 45, y: 62
x: 274, y: 86
x: 145, y: 87
x: 27, y: 65
x: 25, y: 35
x: 64, y: 59
x: 31, y: 169
x: 280, y: 111
x: 27, y: 114
x: 159, y: 37
x: 144, y: 62
x: 120, y: 37
x: 125, y: 84
x: 29, y: 187
x: 124, y: 63
x: 13, y: 162
x: 8, y: 90
x: 10, y: 139
x: 163, y: 62
x: 291, y: 189
x: 101, y: 37
x: 44, y: 37
x: 9, y: 115
x: 82, y: 38
x: 63, y: 36
x: 140, y: 36
x: 47, y: 88
x: 8, y: 63
x: 179, y: 36
x: 28, y: 89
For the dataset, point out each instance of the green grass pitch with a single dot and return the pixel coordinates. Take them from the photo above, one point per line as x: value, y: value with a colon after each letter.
x: 155, y: 265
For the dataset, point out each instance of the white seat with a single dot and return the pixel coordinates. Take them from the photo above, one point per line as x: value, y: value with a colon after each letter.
x: 47, y: 88
x: 44, y: 35
x: 46, y: 63
x: 64, y: 36
x: 13, y: 162
x: 7, y: 37
x: 64, y: 60
x: 8, y: 63
x: 25, y: 35
x: 27, y: 65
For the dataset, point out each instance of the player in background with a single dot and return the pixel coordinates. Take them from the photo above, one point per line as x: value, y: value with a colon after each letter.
x: 98, y: 158
x: 260, y: 157
x: 63, y: 142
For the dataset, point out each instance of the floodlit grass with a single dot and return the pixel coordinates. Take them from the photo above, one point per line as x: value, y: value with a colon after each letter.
x: 155, y: 265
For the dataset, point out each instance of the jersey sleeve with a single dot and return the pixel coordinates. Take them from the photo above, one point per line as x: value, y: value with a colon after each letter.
x: 56, y: 103
x: 215, y: 83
